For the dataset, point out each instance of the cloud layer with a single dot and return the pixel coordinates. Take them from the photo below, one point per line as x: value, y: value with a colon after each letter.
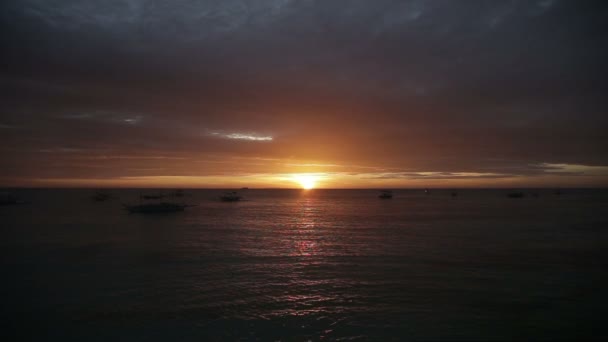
x: 406, y: 89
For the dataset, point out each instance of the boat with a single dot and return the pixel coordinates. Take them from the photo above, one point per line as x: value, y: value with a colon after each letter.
x: 159, y: 196
x: 385, y: 194
x: 517, y: 194
x: 179, y: 193
x: 230, y: 196
x: 101, y: 196
x: 8, y: 199
x: 162, y: 207
x: 454, y: 194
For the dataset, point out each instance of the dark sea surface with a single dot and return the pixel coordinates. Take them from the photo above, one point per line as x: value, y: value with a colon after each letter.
x: 295, y: 265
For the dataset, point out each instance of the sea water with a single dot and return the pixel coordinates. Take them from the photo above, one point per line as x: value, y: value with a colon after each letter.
x: 291, y: 265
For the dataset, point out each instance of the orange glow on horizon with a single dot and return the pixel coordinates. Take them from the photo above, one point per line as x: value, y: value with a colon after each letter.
x: 327, y: 175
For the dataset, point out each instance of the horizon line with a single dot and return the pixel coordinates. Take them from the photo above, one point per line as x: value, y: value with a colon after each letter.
x: 296, y: 188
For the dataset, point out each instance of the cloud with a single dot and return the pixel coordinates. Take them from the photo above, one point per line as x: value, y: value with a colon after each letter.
x: 105, y: 116
x: 434, y: 175
x: 242, y: 136
x: 409, y: 89
x: 574, y: 169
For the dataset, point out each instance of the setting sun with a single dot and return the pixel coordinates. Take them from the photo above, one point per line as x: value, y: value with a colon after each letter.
x: 306, y: 181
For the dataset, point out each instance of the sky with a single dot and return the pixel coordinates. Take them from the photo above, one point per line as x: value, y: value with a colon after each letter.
x: 345, y: 94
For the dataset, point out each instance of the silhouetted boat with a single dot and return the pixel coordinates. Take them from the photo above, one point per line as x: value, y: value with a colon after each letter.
x: 101, y: 196
x: 8, y: 199
x: 179, y: 193
x: 386, y: 194
x: 515, y: 194
x: 160, y: 195
x: 162, y: 207
x: 148, y: 197
x: 231, y: 196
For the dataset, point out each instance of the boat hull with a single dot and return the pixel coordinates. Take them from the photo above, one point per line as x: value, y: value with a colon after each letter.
x: 516, y: 195
x: 156, y: 208
x: 230, y: 199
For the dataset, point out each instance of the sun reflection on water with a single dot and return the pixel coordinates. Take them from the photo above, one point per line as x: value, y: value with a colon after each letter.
x: 304, y: 227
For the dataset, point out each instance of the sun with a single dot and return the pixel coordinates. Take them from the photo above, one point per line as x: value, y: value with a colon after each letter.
x: 306, y: 181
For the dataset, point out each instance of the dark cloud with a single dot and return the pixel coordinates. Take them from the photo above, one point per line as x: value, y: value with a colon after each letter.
x: 417, y: 86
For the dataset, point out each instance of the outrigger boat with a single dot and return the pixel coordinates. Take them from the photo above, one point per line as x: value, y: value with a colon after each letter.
x: 159, y: 196
x: 386, y: 194
x: 178, y: 193
x: 8, y: 199
x: 517, y: 194
x: 101, y: 196
x: 162, y: 207
x: 158, y: 207
x: 231, y: 196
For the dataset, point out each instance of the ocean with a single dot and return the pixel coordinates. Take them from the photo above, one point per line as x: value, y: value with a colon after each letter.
x: 293, y: 265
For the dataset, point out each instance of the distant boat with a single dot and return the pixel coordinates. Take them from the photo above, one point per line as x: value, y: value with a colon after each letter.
x: 150, y: 197
x: 101, y: 196
x: 386, y: 194
x: 230, y: 196
x: 178, y: 193
x: 517, y: 194
x: 162, y: 207
x: 454, y: 194
x: 8, y: 199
